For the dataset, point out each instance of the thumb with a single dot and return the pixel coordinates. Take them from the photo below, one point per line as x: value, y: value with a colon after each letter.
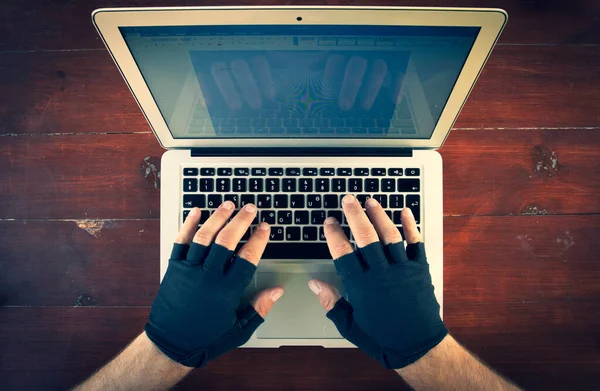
x: 328, y: 294
x: 264, y: 300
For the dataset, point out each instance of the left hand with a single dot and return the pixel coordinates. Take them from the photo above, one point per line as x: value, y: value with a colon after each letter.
x: 195, y: 317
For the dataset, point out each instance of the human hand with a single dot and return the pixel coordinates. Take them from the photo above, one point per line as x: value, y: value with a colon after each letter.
x: 195, y: 316
x: 392, y: 313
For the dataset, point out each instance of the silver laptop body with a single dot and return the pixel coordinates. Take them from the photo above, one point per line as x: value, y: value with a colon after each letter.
x: 292, y: 107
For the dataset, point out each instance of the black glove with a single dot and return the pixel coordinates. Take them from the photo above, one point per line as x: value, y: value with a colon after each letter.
x: 194, y: 318
x: 392, y: 315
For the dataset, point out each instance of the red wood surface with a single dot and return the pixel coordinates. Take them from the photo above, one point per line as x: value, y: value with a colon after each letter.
x: 79, y: 208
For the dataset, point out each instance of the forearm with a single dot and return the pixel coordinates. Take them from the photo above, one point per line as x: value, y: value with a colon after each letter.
x: 140, y: 366
x: 449, y: 366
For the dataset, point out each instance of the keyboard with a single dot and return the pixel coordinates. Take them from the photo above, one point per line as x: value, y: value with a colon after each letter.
x: 295, y: 201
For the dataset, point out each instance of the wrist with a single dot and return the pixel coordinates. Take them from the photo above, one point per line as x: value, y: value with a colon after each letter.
x: 160, y: 358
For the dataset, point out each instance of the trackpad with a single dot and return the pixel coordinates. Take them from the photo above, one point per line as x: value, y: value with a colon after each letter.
x: 298, y: 313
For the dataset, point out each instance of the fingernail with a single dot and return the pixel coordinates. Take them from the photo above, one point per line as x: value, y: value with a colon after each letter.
x: 227, y: 205
x: 264, y: 226
x: 314, y: 286
x: 348, y: 199
x: 275, y: 295
x: 193, y: 212
x: 372, y: 202
x: 408, y: 211
x: 250, y: 208
x: 331, y: 220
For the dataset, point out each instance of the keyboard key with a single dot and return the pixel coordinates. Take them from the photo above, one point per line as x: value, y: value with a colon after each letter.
x: 408, y: 185
x: 309, y: 233
x: 327, y: 171
x: 223, y: 185
x: 313, y: 201
x: 305, y: 185
x: 389, y: 213
x: 399, y: 227
x: 259, y: 172
x: 322, y: 185
x: 338, y: 214
x: 309, y: 171
x: 190, y: 171
x: 247, y: 199
x: 338, y: 185
x: 185, y: 214
x: 224, y: 171
x: 214, y: 200
x: 204, y: 215
x: 241, y: 171
x: 207, y: 185
x: 268, y: 216
x: 330, y: 201
x: 371, y: 185
x: 361, y: 172
x: 388, y: 185
x: 264, y: 201
x: 362, y: 198
x: 317, y: 217
x: 239, y: 185
x: 297, y: 201
x: 190, y: 185
x: 294, y: 171
x: 284, y: 217
x: 382, y: 199
x: 412, y: 172
x: 395, y: 172
x: 207, y: 171
x: 276, y: 171
x: 397, y: 219
x: 413, y: 201
x: 344, y: 171
x: 292, y: 233
x: 296, y: 250
x: 280, y: 201
x: 256, y: 185
x: 246, y: 235
x: 301, y: 217
x: 288, y: 185
x: 347, y: 231
x: 272, y: 185
x: 355, y: 185
x: 233, y: 198
x: 276, y: 233
x: 396, y: 201
x: 322, y: 234
x: 378, y: 171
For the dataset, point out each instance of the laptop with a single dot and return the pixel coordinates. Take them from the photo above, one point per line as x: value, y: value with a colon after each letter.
x: 292, y: 107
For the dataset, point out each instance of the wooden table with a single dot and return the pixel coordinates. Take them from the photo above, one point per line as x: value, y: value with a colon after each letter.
x: 79, y: 216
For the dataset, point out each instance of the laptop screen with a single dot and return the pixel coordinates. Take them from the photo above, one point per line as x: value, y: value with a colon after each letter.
x: 306, y: 81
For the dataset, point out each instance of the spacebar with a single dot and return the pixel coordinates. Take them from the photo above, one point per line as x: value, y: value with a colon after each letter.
x: 296, y: 251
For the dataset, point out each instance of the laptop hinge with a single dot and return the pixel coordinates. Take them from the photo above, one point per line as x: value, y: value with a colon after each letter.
x: 379, y: 152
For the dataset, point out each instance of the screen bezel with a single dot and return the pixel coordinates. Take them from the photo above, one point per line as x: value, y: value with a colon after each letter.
x: 490, y: 21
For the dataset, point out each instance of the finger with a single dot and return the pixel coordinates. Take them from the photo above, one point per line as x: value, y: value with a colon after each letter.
x: 363, y: 231
x: 397, y: 91
x: 410, y: 227
x: 355, y: 70
x: 327, y: 293
x: 331, y: 72
x: 189, y: 227
x: 337, y: 241
x: 374, y: 82
x: 264, y: 300
x: 386, y: 230
x: 254, y: 248
x: 206, y: 234
x: 245, y: 82
x: 263, y: 74
x: 220, y: 72
x: 231, y: 235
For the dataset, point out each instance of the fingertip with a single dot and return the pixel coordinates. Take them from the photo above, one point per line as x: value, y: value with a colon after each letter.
x: 276, y: 294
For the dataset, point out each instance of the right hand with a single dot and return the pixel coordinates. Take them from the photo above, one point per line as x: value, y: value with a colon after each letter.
x: 392, y: 313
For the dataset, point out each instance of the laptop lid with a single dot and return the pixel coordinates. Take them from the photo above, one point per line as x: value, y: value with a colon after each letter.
x: 383, y: 77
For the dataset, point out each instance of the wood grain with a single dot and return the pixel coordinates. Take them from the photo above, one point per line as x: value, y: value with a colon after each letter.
x: 83, y: 92
x: 107, y: 176
x: 532, y: 259
x: 69, y: 343
x: 67, y: 24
